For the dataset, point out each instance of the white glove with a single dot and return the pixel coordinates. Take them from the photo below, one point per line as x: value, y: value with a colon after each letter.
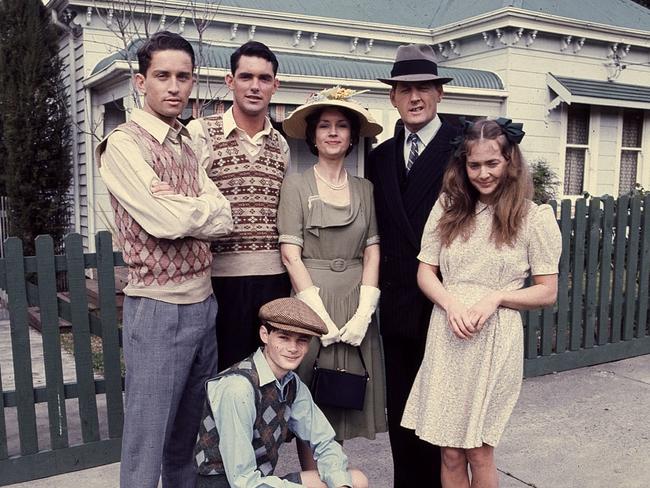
x: 311, y: 297
x: 355, y: 330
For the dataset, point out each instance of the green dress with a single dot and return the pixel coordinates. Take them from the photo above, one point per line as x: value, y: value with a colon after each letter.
x: 333, y: 239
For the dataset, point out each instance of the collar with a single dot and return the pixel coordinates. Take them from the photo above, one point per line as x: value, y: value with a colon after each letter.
x: 480, y: 207
x: 230, y: 125
x: 156, y: 127
x: 266, y: 375
x: 426, y: 133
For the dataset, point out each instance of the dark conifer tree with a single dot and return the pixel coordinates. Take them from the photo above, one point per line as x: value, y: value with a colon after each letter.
x: 35, y: 157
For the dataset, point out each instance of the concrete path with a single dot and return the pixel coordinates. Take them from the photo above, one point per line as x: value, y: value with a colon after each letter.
x: 583, y: 428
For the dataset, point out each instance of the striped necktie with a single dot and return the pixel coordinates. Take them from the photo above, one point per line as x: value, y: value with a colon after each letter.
x: 413, y: 154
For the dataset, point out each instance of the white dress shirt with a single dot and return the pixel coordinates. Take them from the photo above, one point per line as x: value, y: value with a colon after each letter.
x: 426, y: 135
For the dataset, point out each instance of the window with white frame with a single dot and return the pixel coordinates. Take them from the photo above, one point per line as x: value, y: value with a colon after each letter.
x: 577, y: 143
x: 630, y: 150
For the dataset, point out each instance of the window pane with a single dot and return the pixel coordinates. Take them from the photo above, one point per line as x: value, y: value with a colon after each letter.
x: 573, y: 171
x: 578, y: 125
x: 632, y: 128
x: 627, y: 177
x: 114, y: 115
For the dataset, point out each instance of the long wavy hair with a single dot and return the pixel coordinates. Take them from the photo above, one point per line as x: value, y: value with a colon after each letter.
x: 511, y: 196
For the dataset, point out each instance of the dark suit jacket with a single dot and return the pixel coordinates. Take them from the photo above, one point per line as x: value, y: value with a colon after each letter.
x: 403, y: 206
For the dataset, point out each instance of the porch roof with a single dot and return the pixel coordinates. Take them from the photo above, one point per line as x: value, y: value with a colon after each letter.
x: 328, y: 67
x: 596, y: 92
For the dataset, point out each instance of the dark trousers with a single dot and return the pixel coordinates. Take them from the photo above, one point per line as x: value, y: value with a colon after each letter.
x: 415, y: 462
x: 240, y: 299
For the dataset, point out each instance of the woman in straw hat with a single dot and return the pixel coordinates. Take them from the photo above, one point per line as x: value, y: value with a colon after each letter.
x: 330, y: 246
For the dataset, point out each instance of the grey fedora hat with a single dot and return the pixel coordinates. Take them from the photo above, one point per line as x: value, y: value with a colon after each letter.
x: 414, y: 62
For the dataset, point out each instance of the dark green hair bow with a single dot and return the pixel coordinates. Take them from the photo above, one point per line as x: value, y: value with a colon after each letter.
x: 466, y: 125
x: 512, y: 130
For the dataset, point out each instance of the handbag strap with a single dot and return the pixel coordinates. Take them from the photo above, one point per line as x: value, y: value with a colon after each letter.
x: 363, y: 363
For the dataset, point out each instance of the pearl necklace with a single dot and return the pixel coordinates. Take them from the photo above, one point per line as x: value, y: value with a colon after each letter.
x: 331, y: 185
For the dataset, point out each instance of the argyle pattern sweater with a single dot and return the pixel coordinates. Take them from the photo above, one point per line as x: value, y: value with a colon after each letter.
x: 154, y: 262
x: 271, y: 427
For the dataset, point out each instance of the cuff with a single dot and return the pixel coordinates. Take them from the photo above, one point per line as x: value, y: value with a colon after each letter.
x: 339, y: 478
x: 289, y: 239
x: 372, y: 240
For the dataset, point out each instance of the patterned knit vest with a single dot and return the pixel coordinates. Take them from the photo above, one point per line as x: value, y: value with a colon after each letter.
x: 153, y: 261
x: 251, y: 184
x: 271, y: 427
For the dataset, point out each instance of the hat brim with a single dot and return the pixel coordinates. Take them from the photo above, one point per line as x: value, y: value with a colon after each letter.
x: 293, y: 328
x: 415, y: 77
x: 295, y: 125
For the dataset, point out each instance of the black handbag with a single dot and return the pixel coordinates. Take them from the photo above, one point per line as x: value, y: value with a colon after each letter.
x: 337, y: 387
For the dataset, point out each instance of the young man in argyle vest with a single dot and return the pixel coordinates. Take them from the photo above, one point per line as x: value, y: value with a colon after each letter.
x: 253, y: 406
x: 166, y: 212
x: 247, y: 159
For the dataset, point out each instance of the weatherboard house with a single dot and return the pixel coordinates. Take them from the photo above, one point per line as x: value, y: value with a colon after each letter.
x: 577, y: 74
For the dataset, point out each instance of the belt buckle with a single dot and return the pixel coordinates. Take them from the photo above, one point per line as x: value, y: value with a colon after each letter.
x: 338, y: 265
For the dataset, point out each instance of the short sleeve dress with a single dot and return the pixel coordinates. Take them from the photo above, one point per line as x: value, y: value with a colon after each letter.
x: 333, y: 239
x: 466, y: 389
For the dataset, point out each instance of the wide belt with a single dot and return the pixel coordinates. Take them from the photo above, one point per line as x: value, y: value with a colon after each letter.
x: 338, y: 264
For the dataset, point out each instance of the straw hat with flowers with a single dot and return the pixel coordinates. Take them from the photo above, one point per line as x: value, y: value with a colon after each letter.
x: 295, y: 125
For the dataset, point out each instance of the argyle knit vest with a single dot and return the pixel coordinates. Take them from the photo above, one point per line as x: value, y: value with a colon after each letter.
x: 251, y: 184
x: 155, y: 262
x: 271, y: 427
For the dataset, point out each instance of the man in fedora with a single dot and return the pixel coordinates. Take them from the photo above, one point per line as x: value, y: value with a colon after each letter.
x: 253, y: 406
x: 407, y: 173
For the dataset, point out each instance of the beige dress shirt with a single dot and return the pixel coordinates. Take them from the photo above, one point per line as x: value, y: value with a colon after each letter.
x: 129, y: 177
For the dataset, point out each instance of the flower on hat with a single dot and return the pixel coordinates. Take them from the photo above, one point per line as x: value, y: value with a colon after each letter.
x: 295, y: 124
x: 335, y: 93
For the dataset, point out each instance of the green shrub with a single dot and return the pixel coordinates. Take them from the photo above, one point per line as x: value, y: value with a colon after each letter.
x: 545, y: 181
x: 638, y: 191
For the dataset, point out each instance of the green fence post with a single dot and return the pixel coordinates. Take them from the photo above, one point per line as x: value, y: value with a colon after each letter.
x: 631, y: 267
x: 644, y: 271
x: 4, y: 451
x: 47, y: 294
x: 531, y: 345
x: 81, y: 334
x: 563, y: 277
x: 110, y: 333
x: 548, y: 316
x: 622, y: 206
x: 591, y: 292
x: 20, y: 346
x: 577, y: 274
x: 604, y: 300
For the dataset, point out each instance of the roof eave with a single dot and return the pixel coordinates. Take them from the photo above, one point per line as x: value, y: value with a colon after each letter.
x: 284, y: 20
x: 118, y: 68
x: 521, y: 18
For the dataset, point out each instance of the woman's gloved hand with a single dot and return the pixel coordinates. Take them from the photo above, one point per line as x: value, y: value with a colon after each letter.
x: 311, y: 297
x: 355, y: 329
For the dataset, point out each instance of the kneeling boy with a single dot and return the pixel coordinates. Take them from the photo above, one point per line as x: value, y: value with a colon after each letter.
x: 252, y: 406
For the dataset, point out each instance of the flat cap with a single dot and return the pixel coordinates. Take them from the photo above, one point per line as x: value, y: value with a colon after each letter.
x: 293, y: 315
